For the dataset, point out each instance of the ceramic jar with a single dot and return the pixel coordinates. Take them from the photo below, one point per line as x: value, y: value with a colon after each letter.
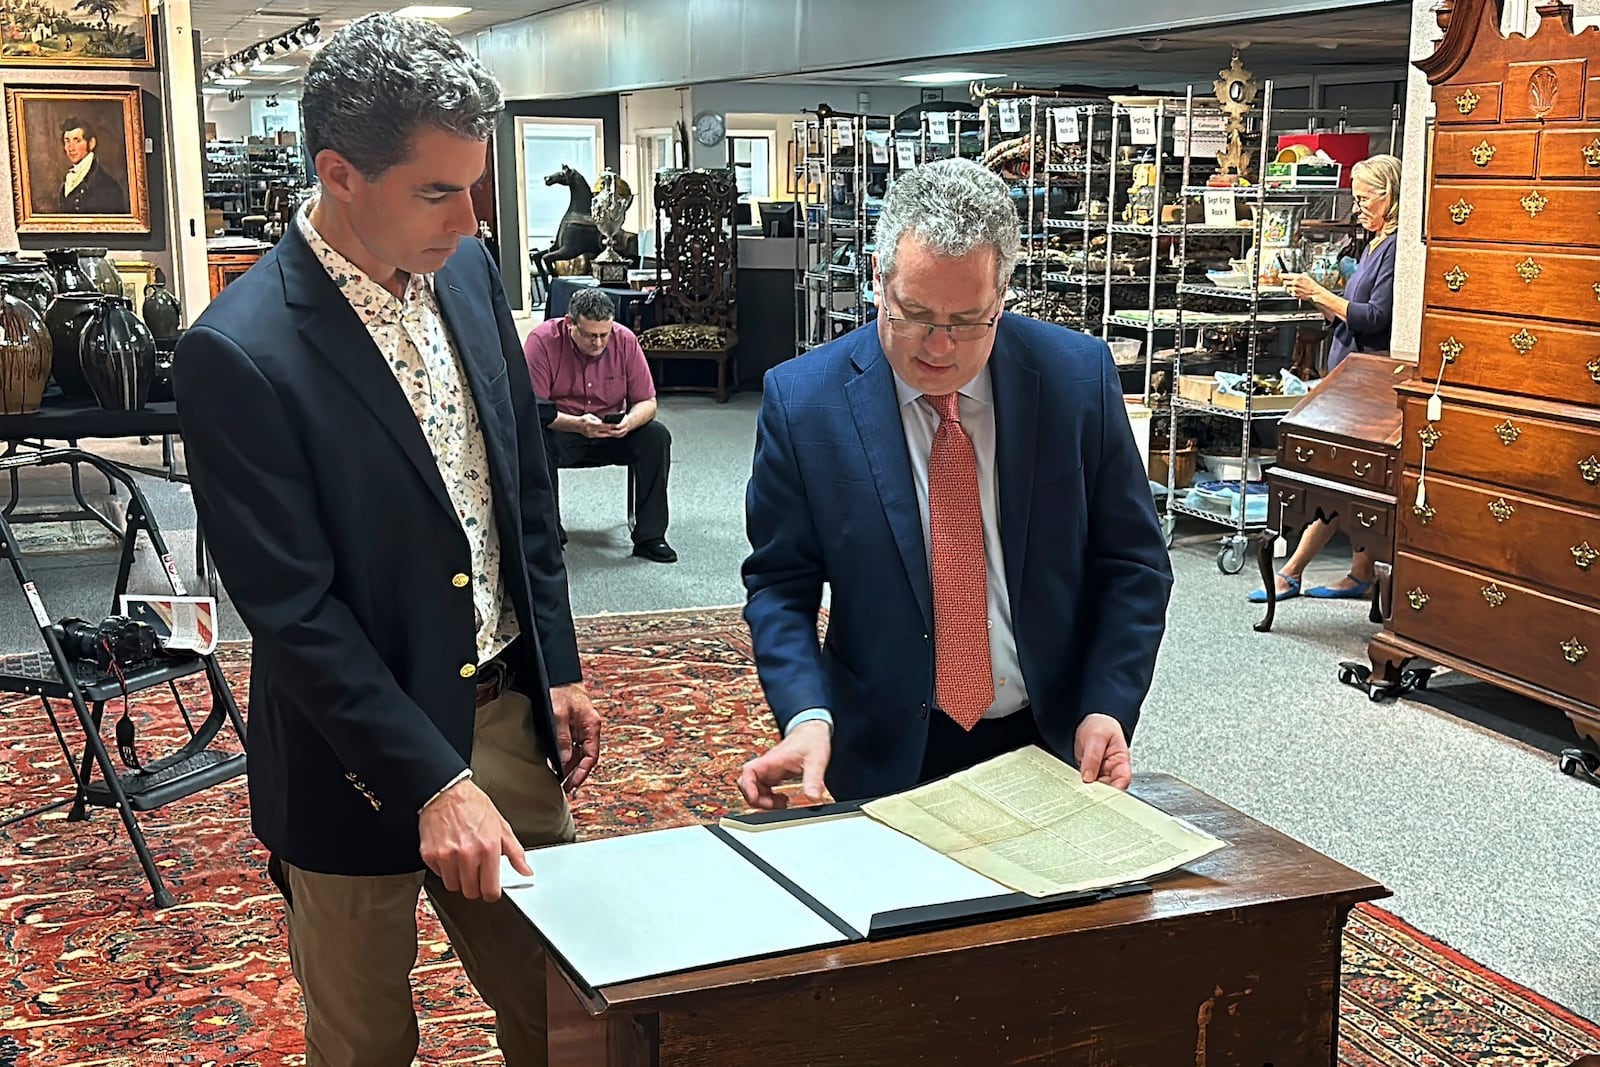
x: 160, y: 311
x: 97, y: 265
x: 30, y: 282
x: 68, y: 272
x: 118, y: 355
x: 65, y: 320
x: 25, y: 352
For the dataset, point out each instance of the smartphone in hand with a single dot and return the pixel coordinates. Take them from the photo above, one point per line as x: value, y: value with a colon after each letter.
x: 613, y: 418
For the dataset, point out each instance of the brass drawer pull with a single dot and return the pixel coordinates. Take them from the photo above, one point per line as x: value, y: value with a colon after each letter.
x: 1594, y: 369
x: 1534, y: 203
x: 1460, y: 211
x: 1501, y: 510
x: 1367, y: 521
x: 1285, y: 499
x: 1423, y: 512
x: 1467, y: 102
x: 1591, y: 153
x: 1573, y: 650
x: 1483, y: 152
x: 1304, y: 454
x: 1494, y: 595
x: 1523, y: 341
x: 1528, y: 270
x: 1360, y: 468
x: 1584, y: 555
x: 1418, y: 598
x: 1455, y: 278
x: 1590, y: 469
x: 1450, y: 349
x: 1507, y: 432
x: 1430, y: 436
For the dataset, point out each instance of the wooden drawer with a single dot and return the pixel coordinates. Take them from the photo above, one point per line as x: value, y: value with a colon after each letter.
x: 1542, y: 542
x: 1551, y: 642
x: 1544, y: 90
x: 1524, y: 214
x: 1544, y: 456
x: 1484, y: 153
x: 1479, y: 102
x: 1516, y: 282
x: 1353, y: 466
x: 1531, y: 358
x: 1288, y: 507
x: 1570, y: 154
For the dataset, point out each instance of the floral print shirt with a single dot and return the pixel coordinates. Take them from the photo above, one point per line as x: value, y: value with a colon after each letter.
x: 411, y: 334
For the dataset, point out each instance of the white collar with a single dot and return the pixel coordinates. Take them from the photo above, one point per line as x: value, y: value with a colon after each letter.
x: 75, y: 175
x: 980, y: 389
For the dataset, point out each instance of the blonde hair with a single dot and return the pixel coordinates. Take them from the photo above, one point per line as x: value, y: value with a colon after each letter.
x: 1382, y: 173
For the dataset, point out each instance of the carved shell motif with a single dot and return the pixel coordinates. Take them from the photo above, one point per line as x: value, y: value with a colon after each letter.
x: 1543, y: 88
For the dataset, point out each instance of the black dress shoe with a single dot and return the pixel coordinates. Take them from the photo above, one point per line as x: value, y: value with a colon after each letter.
x: 657, y: 551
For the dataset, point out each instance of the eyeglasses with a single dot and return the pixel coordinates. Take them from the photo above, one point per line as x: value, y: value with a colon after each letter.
x: 1363, y: 201
x: 914, y: 329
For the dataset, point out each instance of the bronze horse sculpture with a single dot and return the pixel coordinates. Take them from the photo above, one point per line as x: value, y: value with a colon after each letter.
x: 576, y: 233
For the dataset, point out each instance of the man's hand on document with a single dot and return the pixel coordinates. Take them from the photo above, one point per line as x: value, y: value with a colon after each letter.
x: 1102, y: 752
x: 803, y: 754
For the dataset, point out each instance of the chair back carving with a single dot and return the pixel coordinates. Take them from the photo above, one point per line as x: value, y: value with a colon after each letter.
x: 699, y: 248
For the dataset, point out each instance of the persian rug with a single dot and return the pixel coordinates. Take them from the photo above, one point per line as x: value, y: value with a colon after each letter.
x: 90, y: 975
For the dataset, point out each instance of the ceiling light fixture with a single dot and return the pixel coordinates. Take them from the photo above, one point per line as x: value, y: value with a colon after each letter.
x: 302, y: 36
x: 271, y: 68
x: 949, y: 77
x: 432, y: 11
x: 233, y: 81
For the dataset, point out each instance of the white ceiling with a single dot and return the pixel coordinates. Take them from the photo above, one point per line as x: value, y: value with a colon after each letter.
x: 227, y: 26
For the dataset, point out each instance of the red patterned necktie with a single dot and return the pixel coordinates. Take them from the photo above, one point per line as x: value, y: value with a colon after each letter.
x: 963, y: 674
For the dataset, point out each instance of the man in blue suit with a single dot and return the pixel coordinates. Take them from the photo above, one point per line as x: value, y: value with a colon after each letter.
x: 966, y: 484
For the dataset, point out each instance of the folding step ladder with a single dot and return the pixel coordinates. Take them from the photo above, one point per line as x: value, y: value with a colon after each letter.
x: 52, y: 676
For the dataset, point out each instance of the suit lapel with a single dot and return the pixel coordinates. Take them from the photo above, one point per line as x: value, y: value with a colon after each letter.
x: 332, y: 328
x: 875, y: 407
x: 1016, y: 427
x: 472, y: 327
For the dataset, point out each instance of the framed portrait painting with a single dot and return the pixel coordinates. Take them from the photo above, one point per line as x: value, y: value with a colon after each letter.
x: 76, y: 33
x: 77, y: 159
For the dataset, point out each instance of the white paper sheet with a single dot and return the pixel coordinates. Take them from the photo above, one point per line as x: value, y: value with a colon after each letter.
x: 624, y: 908
x: 858, y: 867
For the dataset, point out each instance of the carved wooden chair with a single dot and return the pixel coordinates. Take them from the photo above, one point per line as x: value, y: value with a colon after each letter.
x: 693, y: 306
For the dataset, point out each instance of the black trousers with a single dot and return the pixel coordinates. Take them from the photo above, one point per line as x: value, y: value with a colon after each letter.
x: 951, y: 749
x: 647, y: 450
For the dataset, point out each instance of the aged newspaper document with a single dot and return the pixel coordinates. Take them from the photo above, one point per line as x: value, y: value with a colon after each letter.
x: 1027, y: 820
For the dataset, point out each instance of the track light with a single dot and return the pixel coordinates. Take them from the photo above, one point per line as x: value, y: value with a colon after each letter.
x: 301, y: 36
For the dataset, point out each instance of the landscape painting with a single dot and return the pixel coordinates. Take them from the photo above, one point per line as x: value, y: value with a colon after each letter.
x: 75, y: 33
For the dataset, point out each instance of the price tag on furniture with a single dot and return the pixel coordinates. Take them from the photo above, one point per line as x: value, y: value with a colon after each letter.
x: 1143, y: 120
x: 939, y: 127
x: 1066, y: 119
x: 1010, y: 121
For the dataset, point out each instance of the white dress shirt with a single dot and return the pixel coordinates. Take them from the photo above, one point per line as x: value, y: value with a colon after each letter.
x: 920, y: 421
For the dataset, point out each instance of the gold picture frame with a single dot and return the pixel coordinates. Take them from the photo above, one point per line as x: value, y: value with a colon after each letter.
x: 71, y: 34
x: 135, y: 275
x: 54, y: 130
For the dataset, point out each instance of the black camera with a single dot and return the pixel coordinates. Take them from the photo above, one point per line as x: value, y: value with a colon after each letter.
x: 128, y: 643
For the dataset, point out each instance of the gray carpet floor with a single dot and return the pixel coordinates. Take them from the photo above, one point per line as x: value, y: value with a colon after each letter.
x: 1484, y: 843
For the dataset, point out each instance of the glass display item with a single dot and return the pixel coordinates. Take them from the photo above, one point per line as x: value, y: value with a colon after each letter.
x: 25, y: 356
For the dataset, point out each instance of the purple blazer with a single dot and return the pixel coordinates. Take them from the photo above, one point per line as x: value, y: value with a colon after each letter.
x: 1370, y: 290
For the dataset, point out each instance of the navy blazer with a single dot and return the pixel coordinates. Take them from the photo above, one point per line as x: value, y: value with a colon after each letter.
x: 329, y: 521
x: 831, y: 500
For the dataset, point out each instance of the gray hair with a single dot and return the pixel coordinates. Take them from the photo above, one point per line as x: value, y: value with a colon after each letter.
x: 592, y: 304
x: 953, y: 206
x: 1382, y: 173
x: 380, y: 78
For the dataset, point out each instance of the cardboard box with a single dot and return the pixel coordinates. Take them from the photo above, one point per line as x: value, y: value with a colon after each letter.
x: 1196, y: 387
x: 214, y: 221
x: 1202, y: 389
x: 288, y: 137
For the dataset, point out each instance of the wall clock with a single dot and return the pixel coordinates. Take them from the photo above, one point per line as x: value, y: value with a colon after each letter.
x: 709, y: 128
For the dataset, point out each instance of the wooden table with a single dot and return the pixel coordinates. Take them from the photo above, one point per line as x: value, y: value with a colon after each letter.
x: 1235, y: 961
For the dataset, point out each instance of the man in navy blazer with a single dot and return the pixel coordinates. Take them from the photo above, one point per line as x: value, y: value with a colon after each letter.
x: 847, y: 474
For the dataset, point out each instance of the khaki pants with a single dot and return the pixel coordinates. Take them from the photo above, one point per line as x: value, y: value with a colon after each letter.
x: 353, y: 940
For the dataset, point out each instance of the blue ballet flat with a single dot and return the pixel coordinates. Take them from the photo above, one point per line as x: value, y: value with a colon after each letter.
x: 1259, y: 596
x: 1358, y: 591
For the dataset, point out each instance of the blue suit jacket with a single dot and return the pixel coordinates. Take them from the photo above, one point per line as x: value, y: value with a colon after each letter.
x: 831, y: 499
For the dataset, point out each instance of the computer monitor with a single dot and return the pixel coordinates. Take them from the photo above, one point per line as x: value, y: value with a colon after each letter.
x: 777, y: 219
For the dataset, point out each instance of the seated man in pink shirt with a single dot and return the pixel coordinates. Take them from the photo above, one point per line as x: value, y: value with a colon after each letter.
x: 593, y: 370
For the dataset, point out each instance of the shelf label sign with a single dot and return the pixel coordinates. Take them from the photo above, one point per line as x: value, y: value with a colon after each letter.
x: 1066, y: 120
x: 1143, y: 120
x: 1010, y: 120
x: 880, y: 150
x: 847, y: 133
x: 905, y: 154
x: 939, y: 127
x: 1220, y: 208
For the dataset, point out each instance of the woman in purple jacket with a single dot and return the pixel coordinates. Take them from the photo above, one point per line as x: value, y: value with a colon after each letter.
x: 1361, y: 320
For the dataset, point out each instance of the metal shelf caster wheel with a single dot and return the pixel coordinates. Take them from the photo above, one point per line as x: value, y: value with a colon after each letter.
x: 1230, y: 560
x: 1580, y: 764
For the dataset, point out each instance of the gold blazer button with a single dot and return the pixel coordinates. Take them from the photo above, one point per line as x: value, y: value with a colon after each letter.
x: 468, y: 670
x: 460, y: 581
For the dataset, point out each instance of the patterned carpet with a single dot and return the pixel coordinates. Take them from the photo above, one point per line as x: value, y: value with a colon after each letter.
x: 93, y: 977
